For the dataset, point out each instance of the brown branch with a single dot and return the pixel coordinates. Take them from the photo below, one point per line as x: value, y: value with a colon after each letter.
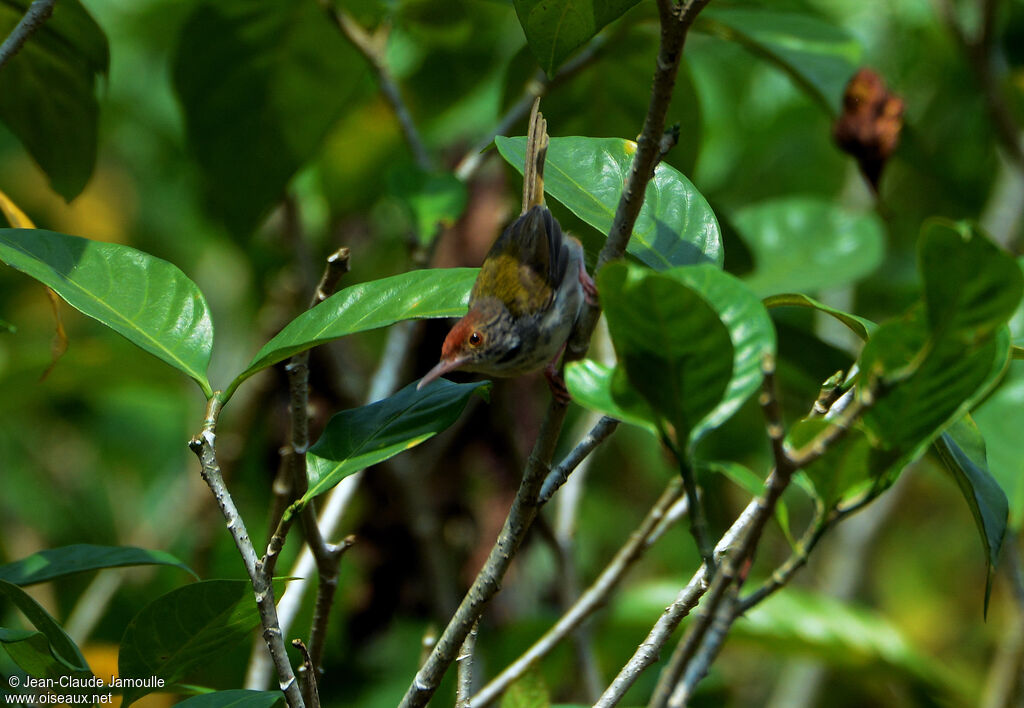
x: 38, y: 13
x: 675, y: 24
x: 650, y: 529
x: 372, y: 47
x: 204, y: 447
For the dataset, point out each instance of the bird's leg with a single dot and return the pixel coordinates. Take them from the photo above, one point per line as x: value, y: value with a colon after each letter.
x: 555, y: 379
x: 589, y: 286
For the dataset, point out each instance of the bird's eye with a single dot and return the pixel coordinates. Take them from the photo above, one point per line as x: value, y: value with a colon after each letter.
x: 475, y: 339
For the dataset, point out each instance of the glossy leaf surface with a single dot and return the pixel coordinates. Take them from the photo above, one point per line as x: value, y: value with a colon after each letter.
x: 49, y: 651
x: 1001, y: 419
x: 67, y: 560
x: 590, y: 384
x: 676, y: 226
x: 554, y: 28
x: 858, y: 325
x: 179, y: 631
x: 358, y: 438
x: 261, y: 82
x: 806, y: 244
x: 419, y: 294
x: 145, y: 299
x: 961, y: 449
x: 48, y: 91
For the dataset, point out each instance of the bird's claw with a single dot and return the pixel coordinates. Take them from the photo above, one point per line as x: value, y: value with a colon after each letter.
x: 557, y: 384
x: 589, y: 287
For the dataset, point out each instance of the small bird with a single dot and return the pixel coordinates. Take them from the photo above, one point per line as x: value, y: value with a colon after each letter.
x: 530, y: 290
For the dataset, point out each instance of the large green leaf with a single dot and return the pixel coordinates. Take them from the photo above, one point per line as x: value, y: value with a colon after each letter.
x: 962, y: 451
x: 940, y: 358
x: 671, y: 345
x: 419, y: 294
x: 554, y: 28
x: 181, y: 630
x: 47, y: 91
x: 145, y: 299
x: 971, y: 286
x: 804, y: 244
x: 750, y: 331
x: 261, y: 82
x: 676, y: 225
x: 821, y: 58
x: 358, y: 438
x: 590, y: 384
x: 858, y: 325
x: 236, y: 698
x: 67, y: 560
x: 932, y: 383
x: 1001, y: 419
x: 50, y: 652
x: 842, y: 468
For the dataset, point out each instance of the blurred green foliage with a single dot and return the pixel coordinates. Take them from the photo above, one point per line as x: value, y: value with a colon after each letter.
x: 189, y: 167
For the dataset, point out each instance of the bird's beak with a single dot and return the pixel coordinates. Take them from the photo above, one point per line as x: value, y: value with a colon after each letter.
x: 443, y: 367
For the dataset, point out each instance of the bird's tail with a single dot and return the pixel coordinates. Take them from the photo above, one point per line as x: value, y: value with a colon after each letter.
x: 536, y: 152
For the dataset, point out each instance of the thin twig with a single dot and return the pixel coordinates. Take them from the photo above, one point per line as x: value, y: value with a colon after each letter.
x: 526, y: 503
x: 594, y: 597
x: 978, y: 50
x: 372, y: 47
x: 698, y: 516
x: 713, y: 642
x: 327, y: 556
x: 538, y: 87
x: 313, y: 695
x: 650, y: 649
x: 464, y: 684
x: 38, y: 13
x: 559, y: 474
x: 204, y: 446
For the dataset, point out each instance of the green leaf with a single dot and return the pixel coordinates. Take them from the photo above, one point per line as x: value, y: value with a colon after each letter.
x: 529, y: 691
x: 794, y: 622
x: 942, y: 357
x: 820, y: 58
x: 842, y: 634
x: 858, y: 325
x: 962, y: 451
x: 261, y: 83
x: 436, y: 199
x: 234, y: 699
x: 930, y: 387
x: 554, y: 28
x: 181, y: 630
x: 805, y: 244
x: 971, y: 286
x: 676, y: 226
x: 656, y: 313
x: 750, y: 331
x: 59, y: 656
x: 1001, y: 418
x: 30, y: 651
x: 357, y: 438
x: 47, y: 91
x: 67, y: 560
x: 419, y: 294
x: 143, y: 298
x: 590, y: 384
x: 843, y: 467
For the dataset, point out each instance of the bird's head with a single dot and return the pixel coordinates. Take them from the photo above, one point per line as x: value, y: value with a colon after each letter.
x: 484, y: 340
